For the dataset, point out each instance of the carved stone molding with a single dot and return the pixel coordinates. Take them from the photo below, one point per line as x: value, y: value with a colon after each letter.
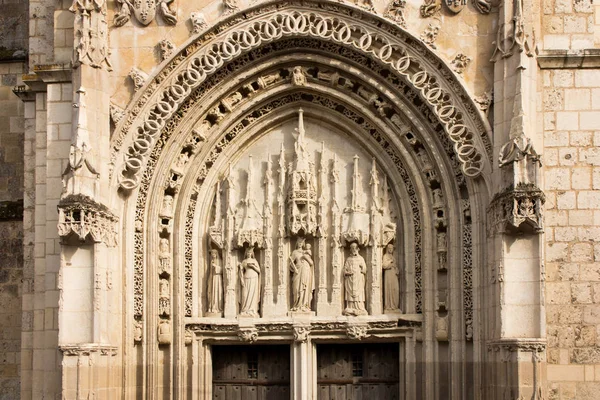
x: 246, y: 334
x: 82, y: 216
x: 519, y: 210
x: 518, y: 345
x: 88, y: 349
x: 378, y: 46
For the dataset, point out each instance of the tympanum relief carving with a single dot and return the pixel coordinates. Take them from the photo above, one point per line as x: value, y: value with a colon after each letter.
x: 301, y: 233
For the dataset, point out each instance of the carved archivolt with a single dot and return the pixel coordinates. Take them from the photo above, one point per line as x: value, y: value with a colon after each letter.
x: 348, y: 32
x: 421, y: 83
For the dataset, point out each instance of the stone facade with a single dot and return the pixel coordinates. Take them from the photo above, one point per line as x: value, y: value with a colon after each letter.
x: 177, y: 177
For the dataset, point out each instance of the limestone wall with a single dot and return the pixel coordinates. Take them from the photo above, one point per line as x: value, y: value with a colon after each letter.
x: 572, y: 179
x: 11, y: 229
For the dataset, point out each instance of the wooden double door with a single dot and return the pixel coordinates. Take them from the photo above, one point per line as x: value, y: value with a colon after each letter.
x: 358, y: 371
x: 251, y: 372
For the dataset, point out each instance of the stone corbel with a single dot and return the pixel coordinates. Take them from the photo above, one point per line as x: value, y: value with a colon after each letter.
x: 519, y: 209
x: 166, y: 48
x: 81, y: 216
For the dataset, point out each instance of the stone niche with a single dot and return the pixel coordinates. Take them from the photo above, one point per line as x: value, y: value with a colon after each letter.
x: 299, y: 225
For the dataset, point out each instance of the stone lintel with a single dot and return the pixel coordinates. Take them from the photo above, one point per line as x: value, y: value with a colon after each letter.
x: 569, y: 59
x: 87, y: 349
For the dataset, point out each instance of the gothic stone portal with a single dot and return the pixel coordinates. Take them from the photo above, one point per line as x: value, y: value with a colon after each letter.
x: 302, y: 232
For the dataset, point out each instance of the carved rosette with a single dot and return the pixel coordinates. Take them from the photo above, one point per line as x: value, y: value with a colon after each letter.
x: 81, y: 216
x: 515, y: 209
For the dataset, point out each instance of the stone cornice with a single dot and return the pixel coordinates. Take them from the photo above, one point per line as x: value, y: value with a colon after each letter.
x: 569, y: 59
x: 518, y: 344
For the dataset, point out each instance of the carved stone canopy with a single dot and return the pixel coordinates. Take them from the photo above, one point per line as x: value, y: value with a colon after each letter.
x: 83, y: 217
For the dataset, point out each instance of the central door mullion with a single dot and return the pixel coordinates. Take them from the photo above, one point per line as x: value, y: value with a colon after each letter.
x: 302, y: 376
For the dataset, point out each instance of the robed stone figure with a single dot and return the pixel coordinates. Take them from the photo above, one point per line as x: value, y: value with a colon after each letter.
x: 303, y: 278
x: 215, y: 284
x: 250, y: 284
x: 355, y: 270
x: 391, y: 287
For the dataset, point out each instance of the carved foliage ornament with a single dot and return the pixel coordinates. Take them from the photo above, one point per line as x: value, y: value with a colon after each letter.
x: 300, y: 23
x: 144, y: 11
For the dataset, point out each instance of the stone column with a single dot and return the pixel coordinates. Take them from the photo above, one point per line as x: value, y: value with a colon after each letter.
x: 302, y: 363
x: 515, y: 222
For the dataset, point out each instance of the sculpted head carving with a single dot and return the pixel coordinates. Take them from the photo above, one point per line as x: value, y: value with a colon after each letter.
x: 354, y: 249
x: 249, y: 253
x: 389, y: 249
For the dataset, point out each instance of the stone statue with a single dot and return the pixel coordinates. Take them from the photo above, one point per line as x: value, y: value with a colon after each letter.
x: 298, y: 76
x: 215, y: 284
x: 164, y: 332
x: 355, y: 270
x: 391, y: 287
x: 303, y: 278
x: 167, y: 206
x: 164, y: 298
x: 250, y: 284
x: 164, y: 257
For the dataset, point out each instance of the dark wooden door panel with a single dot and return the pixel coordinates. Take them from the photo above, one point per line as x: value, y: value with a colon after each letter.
x: 358, y: 372
x: 251, y: 372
